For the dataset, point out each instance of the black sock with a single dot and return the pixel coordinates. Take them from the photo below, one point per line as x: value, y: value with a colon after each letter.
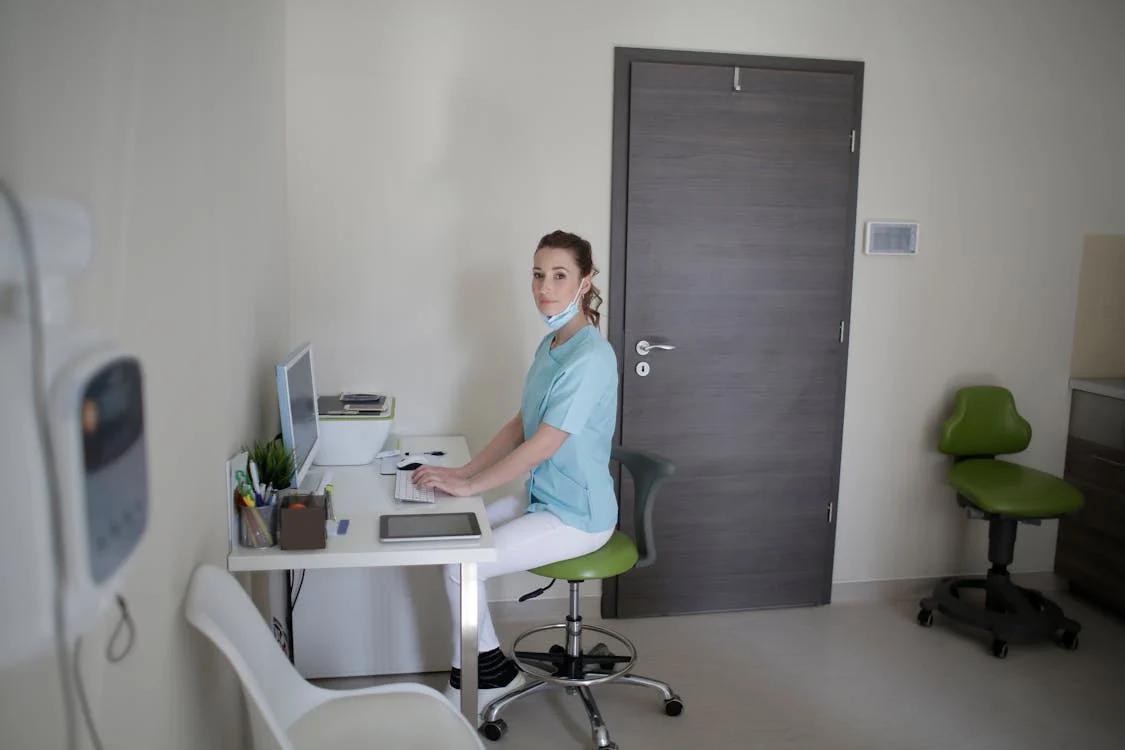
x: 494, y: 670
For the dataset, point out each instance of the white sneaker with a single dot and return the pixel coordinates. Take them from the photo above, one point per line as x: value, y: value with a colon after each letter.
x: 486, y: 695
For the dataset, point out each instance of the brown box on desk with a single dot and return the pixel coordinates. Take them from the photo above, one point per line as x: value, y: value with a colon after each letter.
x: 303, y: 528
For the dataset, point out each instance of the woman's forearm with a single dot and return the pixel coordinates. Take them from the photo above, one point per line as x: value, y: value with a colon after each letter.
x: 512, y: 466
x: 520, y: 461
x: 504, y: 442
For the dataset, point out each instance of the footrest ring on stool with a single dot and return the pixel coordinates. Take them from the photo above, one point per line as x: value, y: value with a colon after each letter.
x: 539, y: 673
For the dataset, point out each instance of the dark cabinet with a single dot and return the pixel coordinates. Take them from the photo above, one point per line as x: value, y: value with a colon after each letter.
x: 1091, y: 546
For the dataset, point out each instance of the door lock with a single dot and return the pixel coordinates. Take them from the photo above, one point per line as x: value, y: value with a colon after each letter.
x: 643, y: 369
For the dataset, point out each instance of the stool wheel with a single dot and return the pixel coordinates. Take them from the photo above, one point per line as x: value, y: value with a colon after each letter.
x: 926, y: 617
x: 602, y: 650
x: 674, y: 706
x: 1069, y: 640
x: 494, y: 730
x: 1000, y: 648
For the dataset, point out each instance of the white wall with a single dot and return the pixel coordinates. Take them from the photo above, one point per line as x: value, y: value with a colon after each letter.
x: 449, y: 138
x: 166, y: 120
x: 1100, y: 316
x: 431, y: 144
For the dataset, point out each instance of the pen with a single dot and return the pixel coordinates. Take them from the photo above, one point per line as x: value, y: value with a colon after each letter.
x: 255, y: 478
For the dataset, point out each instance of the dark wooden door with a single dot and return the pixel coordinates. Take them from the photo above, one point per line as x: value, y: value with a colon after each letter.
x: 739, y: 219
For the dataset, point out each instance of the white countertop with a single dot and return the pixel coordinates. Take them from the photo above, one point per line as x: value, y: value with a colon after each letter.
x: 362, y: 495
x: 1112, y: 387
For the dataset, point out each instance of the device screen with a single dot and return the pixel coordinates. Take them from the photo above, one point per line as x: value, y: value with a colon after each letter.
x: 302, y: 403
x: 431, y: 524
x: 116, y: 470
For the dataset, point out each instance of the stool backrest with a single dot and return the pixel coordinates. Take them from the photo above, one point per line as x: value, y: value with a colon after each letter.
x: 984, y: 423
x: 648, y: 471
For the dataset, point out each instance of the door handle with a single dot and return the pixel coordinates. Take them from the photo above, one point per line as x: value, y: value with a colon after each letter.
x: 643, y: 347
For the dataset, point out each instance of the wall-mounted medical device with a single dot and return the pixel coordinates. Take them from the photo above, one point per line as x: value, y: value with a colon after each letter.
x: 98, y: 428
x: 95, y: 422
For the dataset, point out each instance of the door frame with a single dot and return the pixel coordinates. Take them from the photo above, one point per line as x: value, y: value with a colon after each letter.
x: 623, y: 59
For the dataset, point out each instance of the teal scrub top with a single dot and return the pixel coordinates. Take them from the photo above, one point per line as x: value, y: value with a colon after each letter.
x: 574, y: 388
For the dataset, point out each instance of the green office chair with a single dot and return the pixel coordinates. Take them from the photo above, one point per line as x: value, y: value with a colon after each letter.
x: 570, y: 666
x: 985, y: 423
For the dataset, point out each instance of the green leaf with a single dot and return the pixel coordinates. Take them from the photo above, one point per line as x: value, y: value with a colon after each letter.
x: 275, y: 464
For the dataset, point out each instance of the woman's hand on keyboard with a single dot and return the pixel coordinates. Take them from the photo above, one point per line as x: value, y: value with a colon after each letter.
x: 449, y: 481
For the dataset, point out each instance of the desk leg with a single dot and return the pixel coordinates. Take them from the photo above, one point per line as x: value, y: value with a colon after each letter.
x: 469, y: 643
x: 289, y: 613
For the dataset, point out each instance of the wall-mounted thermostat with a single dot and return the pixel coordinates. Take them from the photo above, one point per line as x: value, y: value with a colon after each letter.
x: 891, y: 238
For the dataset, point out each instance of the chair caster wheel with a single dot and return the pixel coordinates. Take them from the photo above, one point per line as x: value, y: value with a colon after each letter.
x: 599, y: 650
x: 610, y: 746
x: 1069, y: 640
x: 1000, y: 648
x: 926, y: 617
x: 494, y: 730
x: 674, y: 706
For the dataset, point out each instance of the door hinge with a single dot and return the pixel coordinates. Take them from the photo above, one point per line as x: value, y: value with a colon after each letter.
x: 830, y: 513
x: 853, y: 141
x: 737, y: 85
x: 841, y: 331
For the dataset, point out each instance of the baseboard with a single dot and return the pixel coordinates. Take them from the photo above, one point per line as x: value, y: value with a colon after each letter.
x: 550, y: 609
x: 898, y: 589
x: 543, y: 610
x: 509, y: 588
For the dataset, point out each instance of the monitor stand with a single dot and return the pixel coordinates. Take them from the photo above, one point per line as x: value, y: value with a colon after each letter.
x: 315, y: 481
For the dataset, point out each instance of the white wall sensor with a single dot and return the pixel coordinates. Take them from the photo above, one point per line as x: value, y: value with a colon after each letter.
x: 891, y: 238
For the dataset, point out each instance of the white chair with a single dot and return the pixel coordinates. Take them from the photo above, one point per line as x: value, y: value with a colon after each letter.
x: 297, y: 714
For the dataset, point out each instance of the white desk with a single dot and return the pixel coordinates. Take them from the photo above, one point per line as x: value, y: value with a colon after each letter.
x: 362, y: 495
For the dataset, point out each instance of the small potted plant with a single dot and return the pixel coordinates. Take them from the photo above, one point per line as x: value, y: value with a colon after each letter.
x: 275, y: 465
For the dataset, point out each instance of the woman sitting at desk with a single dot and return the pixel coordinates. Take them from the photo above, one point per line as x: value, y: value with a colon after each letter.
x: 561, y: 435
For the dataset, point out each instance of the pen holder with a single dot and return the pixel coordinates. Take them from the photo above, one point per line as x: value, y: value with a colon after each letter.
x: 301, y: 521
x: 257, y: 526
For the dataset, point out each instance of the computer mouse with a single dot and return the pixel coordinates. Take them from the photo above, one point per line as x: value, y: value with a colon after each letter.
x: 410, y: 463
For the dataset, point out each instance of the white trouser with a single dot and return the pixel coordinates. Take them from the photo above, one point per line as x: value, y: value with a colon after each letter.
x: 523, y: 541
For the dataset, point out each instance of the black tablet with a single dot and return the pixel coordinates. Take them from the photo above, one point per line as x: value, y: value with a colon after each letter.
x: 428, y: 527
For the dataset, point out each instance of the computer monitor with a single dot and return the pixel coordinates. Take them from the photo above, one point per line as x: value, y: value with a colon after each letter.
x: 296, y: 400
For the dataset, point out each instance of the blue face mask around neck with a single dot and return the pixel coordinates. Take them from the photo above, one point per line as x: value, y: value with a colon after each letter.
x: 557, y: 321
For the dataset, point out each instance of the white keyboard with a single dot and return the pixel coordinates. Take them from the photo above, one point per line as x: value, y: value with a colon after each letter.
x: 407, y: 492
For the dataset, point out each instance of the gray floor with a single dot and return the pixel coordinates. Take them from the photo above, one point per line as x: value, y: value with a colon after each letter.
x: 843, y: 676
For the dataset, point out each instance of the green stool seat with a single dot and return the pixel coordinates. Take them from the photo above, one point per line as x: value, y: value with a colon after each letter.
x: 617, y: 556
x: 1008, y: 489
